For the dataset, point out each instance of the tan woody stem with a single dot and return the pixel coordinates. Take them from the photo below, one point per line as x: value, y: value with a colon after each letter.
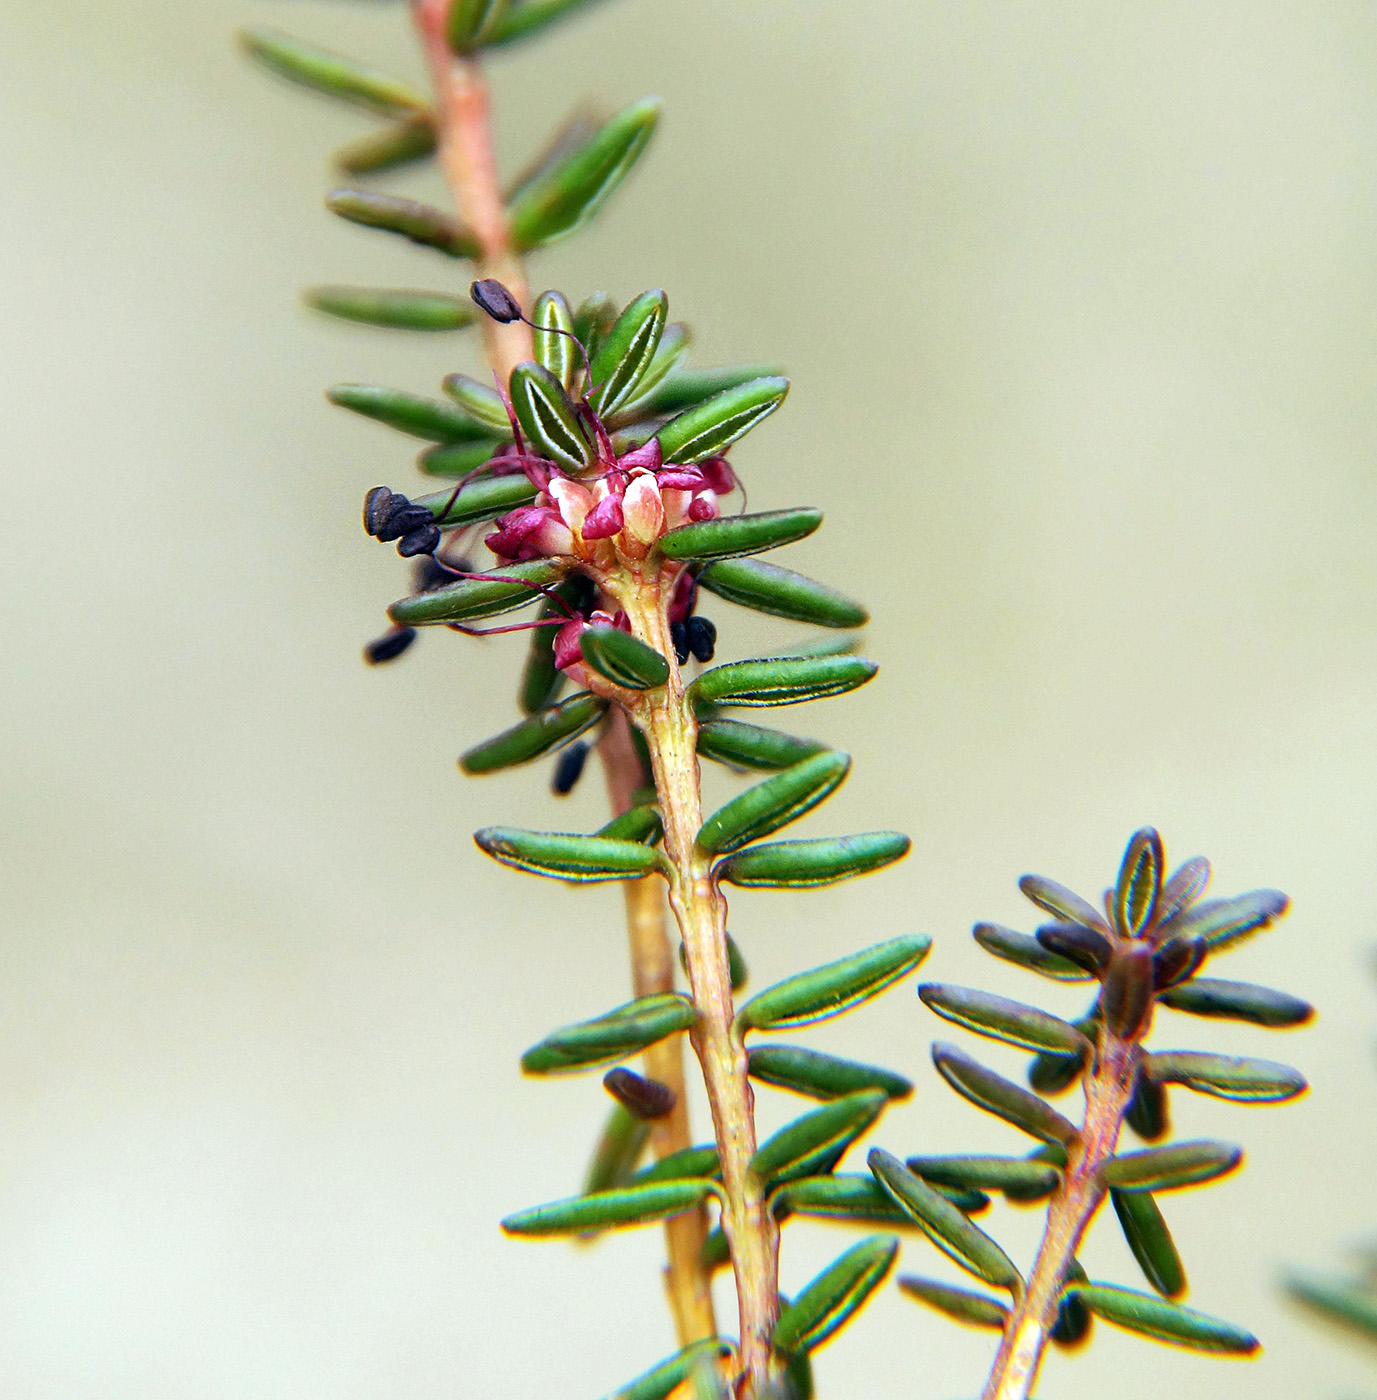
x: 463, y: 116
x: 1108, y: 1090
x: 666, y: 718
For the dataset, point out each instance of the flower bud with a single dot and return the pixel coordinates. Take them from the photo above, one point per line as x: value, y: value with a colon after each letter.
x: 643, y: 510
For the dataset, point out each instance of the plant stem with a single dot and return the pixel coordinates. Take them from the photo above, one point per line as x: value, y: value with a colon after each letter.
x: 463, y: 120
x: 666, y: 718
x: 688, y: 1285
x: 1108, y: 1090
x: 463, y: 117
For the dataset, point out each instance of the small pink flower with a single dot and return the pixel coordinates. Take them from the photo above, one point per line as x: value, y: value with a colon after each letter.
x: 572, y: 500
x: 642, y: 508
x: 604, y: 520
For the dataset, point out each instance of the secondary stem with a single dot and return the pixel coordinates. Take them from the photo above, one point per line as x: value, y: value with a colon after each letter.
x: 463, y: 116
x: 666, y: 717
x: 1108, y: 1090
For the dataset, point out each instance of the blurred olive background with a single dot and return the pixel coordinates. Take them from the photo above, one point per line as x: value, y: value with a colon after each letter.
x: 1078, y: 301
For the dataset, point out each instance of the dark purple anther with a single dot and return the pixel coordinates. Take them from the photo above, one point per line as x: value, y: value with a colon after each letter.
x: 494, y: 300
x: 389, y: 646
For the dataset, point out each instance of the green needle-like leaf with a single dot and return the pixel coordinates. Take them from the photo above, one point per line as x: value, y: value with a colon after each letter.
x: 579, y: 859
x: 555, y: 349
x: 995, y: 1094
x: 945, y: 1225
x: 959, y: 1304
x: 472, y: 22
x: 781, y: 680
x: 479, y: 501
x: 547, y: 417
x: 541, y: 679
x: 821, y: 1076
x: 419, y: 223
x: 1060, y: 902
x: 750, y: 746
x: 625, y: 356
x: 833, y: 988
x: 769, y: 589
x: 409, y: 413
x: 1350, y: 1304
x: 515, y: 586
x: 459, y: 460
x: 1164, y: 1322
x: 1168, y: 1168
x: 642, y: 824
x: 1226, y: 1076
x: 623, y: 659
x: 568, y: 194
x: 661, y: 1379
x: 524, y: 18
x: 1139, y: 883
x: 331, y: 74
x: 593, y: 320
x: 686, y: 387
x: 395, y: 309
x: 1224, y: 922
x: 633, y: 1205
x: 801, y: 865
x: 627, y: 1030
x: 1151, y: 1242
x: 637, y: 409
x: 1237, y: 1001
x: 397, y: 144
x: 847, y: 1196
x: 835, y: 1296
x: 816, y: 1141
x: 1024, y: 1179
x: 1002, y: 1019
x: 1025, y: 951
x: 679, y: 1166
x: 772, y: 804
x: 481, y: 402
x: 710, y: 427
x: 731, y: 535
x: 618, y: 1149
x: 539, y: 734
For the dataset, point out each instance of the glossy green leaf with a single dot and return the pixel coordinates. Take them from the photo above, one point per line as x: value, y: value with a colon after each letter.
x: 821, y: 1076
x: 715, y: 1253
x: 1224, y: 922
x: 1351, y: 1304
x: 769, y: 589
x: 835, y: 1296
x: 459, y: 460
x: 1072, y: 1325
x: 959, y: 1304
x: 594, y: 318
x: 623, y: 659
x: 472, y: 22
x: 686, y: 387
x: 409, y: 413
x: 524, y: 18
x: 547, y: 417
x: 1163, y: 1321
x: 642, y: 824
x: 555, y: 348
x: 541, y: 679
x: 514, y: 586
x: 632, y: 1205
x: 710, y: 427
x: 1168, y: 1168
x: 661, y: 1379
x: 750, y: 746
x: 730, y: 535
x: 479, y: 501
x: 1139, y: 883
x: 395, y: 309
x: 1060, y: 902
x: 579, y: 859
x: 1023, y: 950
x: 1237, y: 1001
x: 1002, y: 1019
x: 688, y: 1162
x: 618, y: 1149
x: 995, y: 1094
x: 331, y: 74
x: 390, y: 147
x: 835, y: 987
x: 848, y: 1196
x: 481, y: 402
x: 772, y: 804
x: 736, y: 963
x: 568, y: 194
x: 627, y: 1030
x: 625, y: 356
x: 1150, y: 1240
x: 1147, y: 1112
x: 1226, y: 1076
x: 803, y: 864
x: 418, y: 223
x: 1023, y: 1178
x: 1087, y: 948
x: 674, y: 341
x: 781, y: 680
x: 946, y: 1226
x: 816, y: 1141
x: 536, y: 735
